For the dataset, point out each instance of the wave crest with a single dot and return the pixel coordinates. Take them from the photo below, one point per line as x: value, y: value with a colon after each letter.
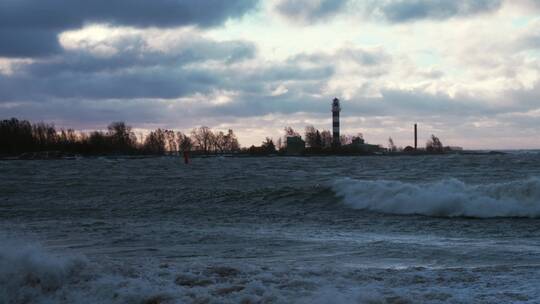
x: 447, y: 198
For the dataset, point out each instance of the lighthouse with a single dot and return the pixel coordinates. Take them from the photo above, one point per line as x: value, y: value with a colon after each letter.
x: 335, y: 123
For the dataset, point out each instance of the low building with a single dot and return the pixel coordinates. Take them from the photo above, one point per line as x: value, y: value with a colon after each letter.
x: 358, y: 144
x: 295, y: 145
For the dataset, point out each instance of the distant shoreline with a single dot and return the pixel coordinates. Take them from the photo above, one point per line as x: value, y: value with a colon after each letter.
x: 55, y: 155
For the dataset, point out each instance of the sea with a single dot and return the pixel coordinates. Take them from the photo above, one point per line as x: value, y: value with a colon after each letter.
x: 369, y: 229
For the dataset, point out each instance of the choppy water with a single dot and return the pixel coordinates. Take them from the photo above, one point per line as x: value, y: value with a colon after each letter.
x: 433, y: 229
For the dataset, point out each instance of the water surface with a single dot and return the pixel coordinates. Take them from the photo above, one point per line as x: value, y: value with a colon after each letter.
x: 429, y: 229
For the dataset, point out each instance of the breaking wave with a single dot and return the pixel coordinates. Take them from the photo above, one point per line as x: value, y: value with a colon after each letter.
x: 28, y: 274
x: 445, y: 198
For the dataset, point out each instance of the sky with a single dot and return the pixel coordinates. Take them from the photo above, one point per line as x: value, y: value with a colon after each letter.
x: 467, y: 71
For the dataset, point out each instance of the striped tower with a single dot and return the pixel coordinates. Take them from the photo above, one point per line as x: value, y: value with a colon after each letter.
x: 335, y: 123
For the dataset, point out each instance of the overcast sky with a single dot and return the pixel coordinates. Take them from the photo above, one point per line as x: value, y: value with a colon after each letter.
x: 465, y: 70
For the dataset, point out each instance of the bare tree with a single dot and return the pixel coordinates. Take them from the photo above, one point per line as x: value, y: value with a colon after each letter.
x: 434, y: 144
x: 231, y: 142
x: 220, y: 142
x: 121, y: 136
x: 268, y: 145
x: 170, y: 138
x: 313, y: 137
x: 290, y: 132
x: 345, y: 139
x: 203, y: 138
x: 44, y: 135
x: 155, y: 142
x: 391, y: 146
x: 326, y: 139
x: 184, y: 142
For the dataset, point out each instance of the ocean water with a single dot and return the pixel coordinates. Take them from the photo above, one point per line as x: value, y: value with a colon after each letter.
x: 427, y: 229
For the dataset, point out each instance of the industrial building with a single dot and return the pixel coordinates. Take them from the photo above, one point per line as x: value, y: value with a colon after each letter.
x: 358, y: 144
x: 295, y: 145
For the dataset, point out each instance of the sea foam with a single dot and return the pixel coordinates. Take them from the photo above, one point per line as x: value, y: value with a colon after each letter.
x: 30, y: 274
x: 446, y: 198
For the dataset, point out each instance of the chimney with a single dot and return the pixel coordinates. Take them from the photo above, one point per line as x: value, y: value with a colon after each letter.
x: 336, y: 108
x: 415, y: 137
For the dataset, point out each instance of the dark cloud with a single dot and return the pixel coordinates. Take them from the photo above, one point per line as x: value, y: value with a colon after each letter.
x: 154, y: 82
x: 28, y: 42
x: 61, y: 14
x: 398, y: 11
x: 145, y: 82
x: 137, y: 55
x: 134, y: 70
x: 309, y: 10
x: 396, y: 103
x: 135, y: 73
x: 29, y: 28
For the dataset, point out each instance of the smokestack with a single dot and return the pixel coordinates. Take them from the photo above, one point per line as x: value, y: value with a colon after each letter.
x: 415, y: 137
x: 336, y: 108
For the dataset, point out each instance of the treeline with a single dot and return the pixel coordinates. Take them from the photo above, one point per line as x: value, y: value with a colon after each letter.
x: 21, y: 136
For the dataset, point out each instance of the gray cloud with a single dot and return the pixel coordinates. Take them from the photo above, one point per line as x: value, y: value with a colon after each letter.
x: 530, y: 41
x: 404, y: 105
x: 145, y: 82
x: 29, y: 28
x: 394, y: 11
x: 398, y: 11
x: 396, y: 103
x: 157, y: 82
x: 136, y: 54
x: 137, y: 71
x: 28, y: 42
x: 375, y: 57
x: 309, y: 10
x: 134, y: 71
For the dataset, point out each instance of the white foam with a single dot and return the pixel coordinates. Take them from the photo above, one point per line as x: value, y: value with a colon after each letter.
x: 28, y: 274
x: 447, y: 198
x: 64, y: 279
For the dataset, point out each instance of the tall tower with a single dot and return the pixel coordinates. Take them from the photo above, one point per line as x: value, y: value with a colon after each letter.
x: 335, y: 123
